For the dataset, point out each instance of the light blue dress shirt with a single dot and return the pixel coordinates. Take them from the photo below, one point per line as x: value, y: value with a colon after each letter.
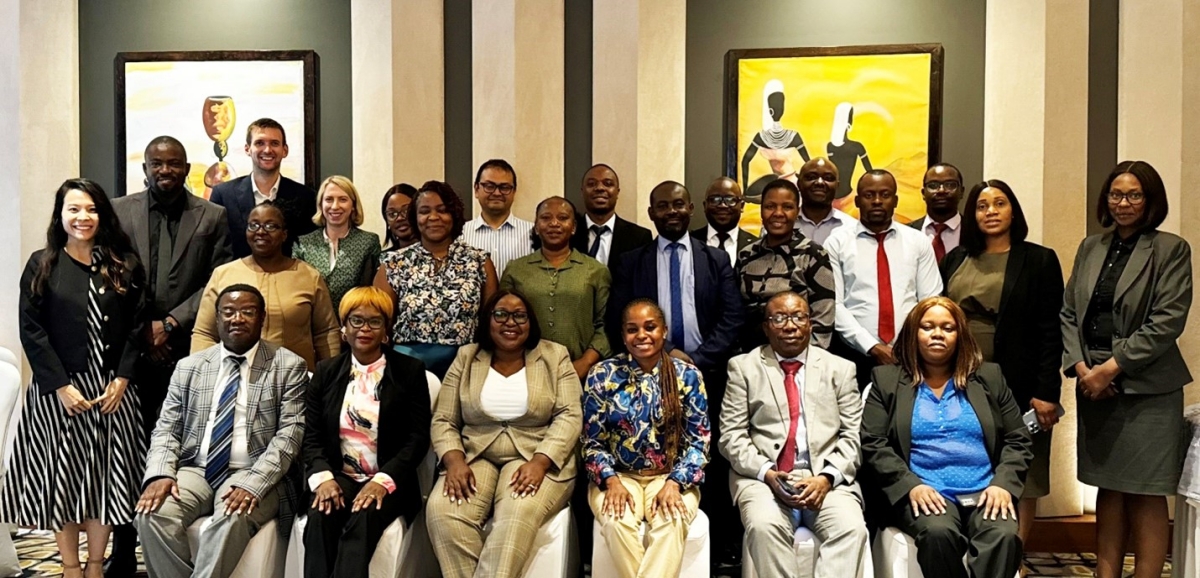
x: 948, y: 451
x: 687, y: 282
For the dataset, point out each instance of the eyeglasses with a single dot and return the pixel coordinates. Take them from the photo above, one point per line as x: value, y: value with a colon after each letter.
x: 268, y: 227
x: 519, y: 317
x: 1134, y: 198
x: 779, y: 320
x: 393, y: 215
x: 357, y: 322
x: 933, y: 186
x: 725, y: 201
x: 248, y: 313
x: 489, y: 187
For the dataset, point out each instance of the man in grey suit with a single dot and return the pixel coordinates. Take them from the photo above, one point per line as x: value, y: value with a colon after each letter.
x: 794, y: 458
x: 232, y: 423
x: 180, y: 238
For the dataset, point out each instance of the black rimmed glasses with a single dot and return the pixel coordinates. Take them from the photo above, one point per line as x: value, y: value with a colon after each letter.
x: 519, y: 317
x: 1134, y: 197
x: 722, y: 201
x: 779, y: 320
x: 357, y: 322
x: 268, y: 227
x: 504, y: 188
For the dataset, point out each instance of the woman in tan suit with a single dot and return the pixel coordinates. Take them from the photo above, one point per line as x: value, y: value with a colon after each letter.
x: 1124, y: 308
x: 506, y: 426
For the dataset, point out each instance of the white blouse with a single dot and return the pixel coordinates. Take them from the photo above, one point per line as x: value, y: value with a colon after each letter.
x: 505, y: 398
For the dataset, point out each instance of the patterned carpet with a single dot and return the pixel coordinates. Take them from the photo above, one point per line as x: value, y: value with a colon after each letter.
x: 39, y: 557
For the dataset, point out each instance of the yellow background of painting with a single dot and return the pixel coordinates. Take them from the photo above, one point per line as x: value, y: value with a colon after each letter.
x: 890, y: 94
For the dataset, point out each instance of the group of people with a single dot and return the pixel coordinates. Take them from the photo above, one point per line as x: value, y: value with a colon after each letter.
x: 260, y: 357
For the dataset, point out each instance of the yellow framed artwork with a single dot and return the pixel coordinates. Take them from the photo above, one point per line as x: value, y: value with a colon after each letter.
x: 863, y: 107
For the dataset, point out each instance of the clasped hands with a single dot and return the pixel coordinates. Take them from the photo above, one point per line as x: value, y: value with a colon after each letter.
x: 809, y: 493
x: 1096, y: 383
x: 75, y: 404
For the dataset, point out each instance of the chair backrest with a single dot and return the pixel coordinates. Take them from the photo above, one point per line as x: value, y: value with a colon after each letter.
x: 7, y: 356
x: 427, y: 469
x: 435, y: 385
x: 10, y: 401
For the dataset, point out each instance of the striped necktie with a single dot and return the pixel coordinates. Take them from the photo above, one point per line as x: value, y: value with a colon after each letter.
x: 216, y: 470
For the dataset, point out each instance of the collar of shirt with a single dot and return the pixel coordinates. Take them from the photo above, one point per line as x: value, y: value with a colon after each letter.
x: 834, y: 215
x: 611, y: 222
x: 863, y: 230
x: 636, y: 372
x: 952, y: 223
x: 712, y: 234
x: 374, y: 371
x: 478, y: 223
x: 663, y: 242
x: 802, y: 358
x: 249, y: 354
x: 948, y: 393
x: 537, y: 258
x: 270, y: 195
x: 171, y: 207
x: 1119, y: 244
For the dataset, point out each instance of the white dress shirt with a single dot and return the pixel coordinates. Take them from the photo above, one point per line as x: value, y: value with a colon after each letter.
x: 730, y: 246
x: 259, y: 196
x: 504, y: 398
x: 605, y: 239
x: 510, y: 241
x: 819, y: 232
x: 950, y: 237
x: 239, y: 451
x: 914, y: 273
x: 803, y: 456
x: 687, y: 287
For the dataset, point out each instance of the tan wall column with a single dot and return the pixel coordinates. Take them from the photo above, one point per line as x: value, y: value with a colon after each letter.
x: 39, y: 90
x: 1158, y: 118
x: 638, y: 82
x: 398, y: 94
x: 517, y: 93
x: 1035, y: 139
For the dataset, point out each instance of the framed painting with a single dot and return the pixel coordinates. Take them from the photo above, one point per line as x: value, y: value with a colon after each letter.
x: 206, y: 100
x: 863, y: 107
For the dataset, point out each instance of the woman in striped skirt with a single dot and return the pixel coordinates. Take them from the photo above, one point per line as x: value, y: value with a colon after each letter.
x: 79, y: 451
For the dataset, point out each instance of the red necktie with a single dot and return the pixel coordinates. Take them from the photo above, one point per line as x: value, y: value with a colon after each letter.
x: 887, y: 318
x: 787, y: 457
x: 939, y: 246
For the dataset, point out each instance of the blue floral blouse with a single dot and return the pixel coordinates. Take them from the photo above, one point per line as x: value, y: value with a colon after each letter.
x: 622, y: 414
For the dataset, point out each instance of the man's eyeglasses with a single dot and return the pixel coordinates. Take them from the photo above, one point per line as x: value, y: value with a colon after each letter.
x: 723, y: 201
x: 268, y: 227
x: 779, y: 320
x: 489, y: 187
x: 249, y: 313
x: 519, y: 317
x: 934, y: 186
x: 357, y: 322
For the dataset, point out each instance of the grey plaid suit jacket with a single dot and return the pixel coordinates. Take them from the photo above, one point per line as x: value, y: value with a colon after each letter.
x: 278, y: 379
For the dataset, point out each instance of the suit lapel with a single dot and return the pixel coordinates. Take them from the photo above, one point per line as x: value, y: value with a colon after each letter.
x: 479, y: 372
x: 1012, y: 271
x: 743, y: 239
x: 814, y: 376
x: 245, y: 201
x: 1092, y: 265
x: 977, y: 396
x: 263, y: 358
x: 535, y: 380
x: 703, y: 278
x: 141, y: 226
x: 906, y: 399
x: 188, y: 221
x: 1138, y: 260
x: 774, y: 381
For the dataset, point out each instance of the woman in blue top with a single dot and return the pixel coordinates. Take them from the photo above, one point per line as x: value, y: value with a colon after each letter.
x: 943, y: 438
x: 645, y: 444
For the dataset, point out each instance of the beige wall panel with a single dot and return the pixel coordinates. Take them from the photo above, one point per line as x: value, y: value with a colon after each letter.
x: 397, y: 73
x: 615, y: 97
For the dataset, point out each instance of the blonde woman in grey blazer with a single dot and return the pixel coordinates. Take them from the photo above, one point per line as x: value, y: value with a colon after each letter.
x: 1124, y: 309
x: 505, y: 432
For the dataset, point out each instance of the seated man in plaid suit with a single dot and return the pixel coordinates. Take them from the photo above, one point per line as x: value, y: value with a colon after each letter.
x: 231, y: 425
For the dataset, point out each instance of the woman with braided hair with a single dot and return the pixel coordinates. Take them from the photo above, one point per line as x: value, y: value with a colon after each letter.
x: 645, y: 444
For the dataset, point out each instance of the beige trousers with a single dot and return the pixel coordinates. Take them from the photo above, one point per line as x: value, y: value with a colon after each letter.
x: 660, y: 555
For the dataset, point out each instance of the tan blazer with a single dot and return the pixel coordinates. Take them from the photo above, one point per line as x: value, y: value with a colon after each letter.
x: 1151, y: 307
x: 550, y: 426
x: 755, y: 416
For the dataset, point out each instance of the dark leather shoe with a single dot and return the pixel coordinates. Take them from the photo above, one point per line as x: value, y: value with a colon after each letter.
x: 120, y: 568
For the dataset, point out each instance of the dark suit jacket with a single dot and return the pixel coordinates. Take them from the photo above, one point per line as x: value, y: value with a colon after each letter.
x: 743, y: 237
x: 1028, y: 342
x: 1151, y: 307
x: 201, y: 245
x: 719, y: 308
x: 53, y: 324
x: 887, y: 430
x: 627, y: 236
x: 403, y: 436
x: 299, y: 204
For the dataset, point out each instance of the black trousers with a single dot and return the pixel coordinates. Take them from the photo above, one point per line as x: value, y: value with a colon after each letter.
x: 340, y: 544
x: 943, y: 540
x: 724, y: 520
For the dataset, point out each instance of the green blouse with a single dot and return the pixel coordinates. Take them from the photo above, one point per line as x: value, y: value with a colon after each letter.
x: 357, y: 258
x: 569, y: 301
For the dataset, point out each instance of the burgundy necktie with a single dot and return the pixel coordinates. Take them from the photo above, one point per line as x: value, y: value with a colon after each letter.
x: 887, y: 318
x: 939, y: 246
x: 787, y: 457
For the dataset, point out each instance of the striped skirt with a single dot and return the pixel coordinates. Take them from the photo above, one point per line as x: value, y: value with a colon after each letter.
x: 69, y: 469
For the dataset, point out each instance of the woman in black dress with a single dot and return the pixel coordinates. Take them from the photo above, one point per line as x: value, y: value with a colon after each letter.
x: 79, y: 450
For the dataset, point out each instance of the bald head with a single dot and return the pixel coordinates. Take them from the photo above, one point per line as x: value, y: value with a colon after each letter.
x: 723, y: 204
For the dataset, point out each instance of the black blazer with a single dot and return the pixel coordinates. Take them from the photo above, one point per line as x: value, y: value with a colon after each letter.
x: 627, y: 236
x: 403, y: 436
x: 887, y: 430
x: 299, y: 204
x: 719, y: 308
x: 54, y: 324
x: 1028, y: 343
x: 743, y: 238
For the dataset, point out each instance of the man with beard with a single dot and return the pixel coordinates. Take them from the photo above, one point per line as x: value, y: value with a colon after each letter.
x: 818, y: 181
x: 602, y: 234
x: 723, y: 204
x: 266, y: 145
x: 180, y: 238
x: 696, y: 288
x: 942, y: 189
x: 880, y: 270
